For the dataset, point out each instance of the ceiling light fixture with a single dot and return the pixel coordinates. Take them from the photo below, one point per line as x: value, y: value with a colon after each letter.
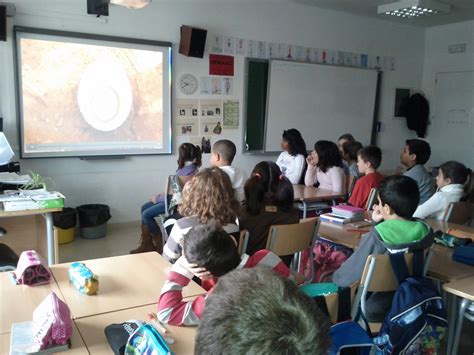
x: 413, y: 8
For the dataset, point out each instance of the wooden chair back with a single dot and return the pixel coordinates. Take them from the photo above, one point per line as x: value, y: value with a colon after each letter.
x: 371, y: 199
x: 286, y: 239
x: 333, y: 304
x: 459, y: 212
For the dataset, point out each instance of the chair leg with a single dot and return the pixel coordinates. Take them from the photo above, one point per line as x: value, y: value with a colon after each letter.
x: 458, y: 327
x: 451, y: 321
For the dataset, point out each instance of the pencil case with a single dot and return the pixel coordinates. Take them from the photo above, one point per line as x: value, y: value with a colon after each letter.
x: 450, y: 241
x: 31, y: 269
x: 83, y: 278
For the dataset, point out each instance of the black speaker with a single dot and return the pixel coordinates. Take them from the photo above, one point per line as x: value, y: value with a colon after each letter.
x: 3, y: 23
x: 192, y: 42
x: 98, y: 7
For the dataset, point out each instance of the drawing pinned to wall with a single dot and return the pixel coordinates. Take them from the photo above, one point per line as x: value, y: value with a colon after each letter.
x: 289, y: 52
x: 356, y: 60
x: 216, y: 86
x: 186, y: 128
x: 231, y: 114
x: 273, y: 51
x: 299, y: 53
x: 211, y: 125
x: 186, y: 108
x: 364, y: 60
x: 227, y: 86
x: 229, y: 45
x: 307, y: 55
x: 348, y: 59
x: 339, y: 58
x: 262, y: 50
x: 216, y: 44
x: 211, y: 108
x: 240, y: 46
x: 205, y: 85
x: 324, y: 56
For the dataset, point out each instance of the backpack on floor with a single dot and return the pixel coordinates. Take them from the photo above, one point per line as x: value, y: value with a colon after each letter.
x: 416, y: 322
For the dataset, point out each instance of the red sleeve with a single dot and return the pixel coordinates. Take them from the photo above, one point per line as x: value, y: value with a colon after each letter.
x: 359, y: 194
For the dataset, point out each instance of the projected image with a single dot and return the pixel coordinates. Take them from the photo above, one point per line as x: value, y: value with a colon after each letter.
x: 79, y: 97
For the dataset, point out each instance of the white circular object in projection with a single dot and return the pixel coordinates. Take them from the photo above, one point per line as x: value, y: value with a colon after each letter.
x: 105, y: 94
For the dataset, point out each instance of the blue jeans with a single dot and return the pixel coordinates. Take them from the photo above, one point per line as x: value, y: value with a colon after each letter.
x: 149, y: 211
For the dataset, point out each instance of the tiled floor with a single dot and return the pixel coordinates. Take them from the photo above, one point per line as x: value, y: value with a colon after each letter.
x: 123, y: 237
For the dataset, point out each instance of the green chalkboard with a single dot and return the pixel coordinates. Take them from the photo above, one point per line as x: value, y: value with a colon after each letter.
x: 256, y: 100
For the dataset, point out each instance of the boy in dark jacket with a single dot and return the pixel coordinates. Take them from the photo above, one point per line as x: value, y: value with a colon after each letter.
x: 396, y: 231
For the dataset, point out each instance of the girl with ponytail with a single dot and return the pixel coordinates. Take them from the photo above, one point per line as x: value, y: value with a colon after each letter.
x: 455, y: 183
x: 269, y: 200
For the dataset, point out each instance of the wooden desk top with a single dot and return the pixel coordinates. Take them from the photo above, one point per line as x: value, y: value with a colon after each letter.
x: 341, y: 234
x: 463, y: 288
x: 312, y: 194
x: 92, y: 330
x: 124, y: 282
x: 77, y: 344
x: 28, y: 212
x: 17, y: 302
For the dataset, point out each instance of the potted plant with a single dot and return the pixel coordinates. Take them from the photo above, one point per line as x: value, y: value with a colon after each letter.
x: 37, y: 182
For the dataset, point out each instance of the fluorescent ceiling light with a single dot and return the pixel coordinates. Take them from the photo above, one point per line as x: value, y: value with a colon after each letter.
x: 413, y: 8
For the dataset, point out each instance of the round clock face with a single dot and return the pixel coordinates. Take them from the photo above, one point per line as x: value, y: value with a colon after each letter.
x: 188, y: 84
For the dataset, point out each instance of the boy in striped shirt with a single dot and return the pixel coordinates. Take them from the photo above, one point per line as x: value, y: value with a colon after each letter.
x: 208, y: 251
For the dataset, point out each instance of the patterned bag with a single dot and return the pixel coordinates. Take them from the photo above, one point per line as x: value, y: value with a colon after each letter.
x: 31, y: 269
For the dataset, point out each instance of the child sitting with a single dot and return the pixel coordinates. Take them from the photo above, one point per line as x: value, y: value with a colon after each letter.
x: 414, y: 155
x: 455, y: 182
x: 292, y: 160
x: 222, y: 156
x: 210, y: 248
x: 269, y: 200
x: 325, y: 167
x: 368, y: 160
x: 349, y: 155
x: 189, y: 161
x: 397, y: 231
x: 207, y: 198
x: 345, y: 138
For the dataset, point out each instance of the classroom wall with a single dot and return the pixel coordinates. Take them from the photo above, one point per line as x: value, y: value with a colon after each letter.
x: 438, y: 60
x: 126, y: 184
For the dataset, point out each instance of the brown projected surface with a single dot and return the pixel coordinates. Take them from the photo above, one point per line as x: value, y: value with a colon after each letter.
x: 121, y: 87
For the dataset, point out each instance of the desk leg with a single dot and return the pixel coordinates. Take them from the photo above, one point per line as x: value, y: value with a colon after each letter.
x: 451, y: 321
x: 50, y: 237
x: 458, y: 327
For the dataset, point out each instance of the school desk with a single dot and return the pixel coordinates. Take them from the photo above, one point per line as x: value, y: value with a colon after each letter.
x: 48, y: 216
x: 17, y: 302
x: 92, y: 330
x: 463, y: 289
x: 305, y: 195
x: 124, y: 282
x: 77, y: 344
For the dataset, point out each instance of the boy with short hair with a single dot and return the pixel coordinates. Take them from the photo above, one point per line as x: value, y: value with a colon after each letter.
x: 414, y: 155
x: 254, y: 311
x: 368, y: 160
x: 222, y: 156
x: 206, y: 248
x: 395, y: 231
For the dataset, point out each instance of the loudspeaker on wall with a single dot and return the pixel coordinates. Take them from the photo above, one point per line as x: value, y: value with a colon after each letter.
x: 3, y: 23
x: 192, y: 42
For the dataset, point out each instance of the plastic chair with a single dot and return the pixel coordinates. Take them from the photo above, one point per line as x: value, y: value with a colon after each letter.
x: 8, y: 258
x: 459, y: 213
x: 287, y: 239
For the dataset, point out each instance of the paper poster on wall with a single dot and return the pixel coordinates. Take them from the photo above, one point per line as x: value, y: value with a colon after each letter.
x: 240, y: 46
x: 262, y: 50
x: 252, y: 51
x: 186, y: 127
x: 231, y: 114
x: 364, y: 60
x: 205, y: 85
x: 211, y: 125
x: 315, y: 55
x: 229, y: 45
x: 273, y: 50
x: 211, y: 108
x: 355, y: 60
x: 298, y: 53
x: 216, y: 86
x: 204, y: 142
x: 221, y: 65
x: 227, y: 86
x: 186, y: 108
x: 307, y: 55
x: 217, y: 43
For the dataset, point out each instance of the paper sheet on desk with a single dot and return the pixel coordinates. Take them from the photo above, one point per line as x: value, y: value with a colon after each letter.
x: 12, y: 178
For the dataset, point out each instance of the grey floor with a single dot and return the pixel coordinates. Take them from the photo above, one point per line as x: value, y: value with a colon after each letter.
x: 123, y: 237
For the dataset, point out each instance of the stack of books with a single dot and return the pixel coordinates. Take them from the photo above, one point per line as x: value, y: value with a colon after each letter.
x: 343, y: 214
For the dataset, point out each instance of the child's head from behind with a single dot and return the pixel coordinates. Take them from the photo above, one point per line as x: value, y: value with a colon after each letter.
x: 267, y: 185
x: 415, y: 151
x: 327, y: 155
x: 212, y: 248
x: 369, y: 157
x: 209, y: 196
x: 223, y: 153
x: 189, y: 152
x: 350, y: 149
x: 293, y: 142
x: 398, y: 195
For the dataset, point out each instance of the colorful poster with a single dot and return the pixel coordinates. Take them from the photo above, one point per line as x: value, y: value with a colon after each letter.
x: 231, y: 114
x: 221, y: 65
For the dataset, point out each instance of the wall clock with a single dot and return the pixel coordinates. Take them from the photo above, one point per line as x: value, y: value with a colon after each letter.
x: 187, y: 84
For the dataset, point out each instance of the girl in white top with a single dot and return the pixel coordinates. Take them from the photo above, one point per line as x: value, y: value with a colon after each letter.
x: 292, y: 160
x: 455, y: 182
x: 325, y: 167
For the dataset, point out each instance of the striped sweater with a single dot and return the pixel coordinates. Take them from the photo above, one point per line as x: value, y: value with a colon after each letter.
x: 173, y: 310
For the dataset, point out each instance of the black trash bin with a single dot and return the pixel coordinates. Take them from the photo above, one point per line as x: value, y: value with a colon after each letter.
x: 65, y: 222
x: 93, y: 220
